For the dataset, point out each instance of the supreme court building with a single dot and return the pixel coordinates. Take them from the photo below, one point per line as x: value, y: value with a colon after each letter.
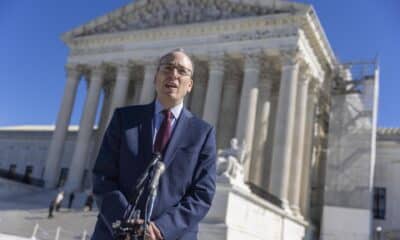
x: 266, y: 76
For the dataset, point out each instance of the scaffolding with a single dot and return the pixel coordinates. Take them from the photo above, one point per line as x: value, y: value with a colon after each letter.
x: 351, y: 144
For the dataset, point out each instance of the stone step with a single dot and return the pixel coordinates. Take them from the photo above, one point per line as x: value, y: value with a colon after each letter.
x: 21, y: 210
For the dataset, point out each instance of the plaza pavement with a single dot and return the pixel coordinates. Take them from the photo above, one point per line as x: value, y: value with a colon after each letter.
x: 23, y: 206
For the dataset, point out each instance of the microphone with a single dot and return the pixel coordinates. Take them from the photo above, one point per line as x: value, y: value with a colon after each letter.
x: 156, y: 158
x: 138, y: 190
x: 153, y: 171
x: 159, y: 169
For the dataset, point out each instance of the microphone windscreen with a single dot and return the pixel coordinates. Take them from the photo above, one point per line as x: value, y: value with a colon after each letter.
x: 159, y: 169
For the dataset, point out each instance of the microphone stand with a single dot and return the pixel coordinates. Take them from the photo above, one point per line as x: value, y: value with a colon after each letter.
x: 128, y: 227
x: 153, y: 185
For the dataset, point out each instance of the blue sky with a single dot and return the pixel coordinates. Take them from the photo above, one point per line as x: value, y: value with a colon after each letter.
x: 32, y: 56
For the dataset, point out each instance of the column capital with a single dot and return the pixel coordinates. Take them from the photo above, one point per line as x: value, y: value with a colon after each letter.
x: 252, y: 58
x: 234, y: 77
x: 107, y: 88
x: 122, y: 63
x: 150, y: 65
x: 305, y: 77
x: 149, y: 60
x: 216, y: 61
x: 97, y: 70
x: 122, y: 67
x: 216, y: 54
x: 290, y: 57
x: 314, y: 87
x: 72, y: 70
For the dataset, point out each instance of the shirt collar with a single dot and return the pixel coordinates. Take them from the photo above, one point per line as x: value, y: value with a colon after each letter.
x: 176, y: 111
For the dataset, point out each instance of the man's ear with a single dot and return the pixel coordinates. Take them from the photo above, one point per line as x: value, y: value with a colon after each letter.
x: 190, y: 85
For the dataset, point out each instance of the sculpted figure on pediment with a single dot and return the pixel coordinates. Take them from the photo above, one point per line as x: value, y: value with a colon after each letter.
x: 196, y: 11
x: 174, y: 12
x: 181, y: 12
x: 226, y: 10
x: 158, y: 15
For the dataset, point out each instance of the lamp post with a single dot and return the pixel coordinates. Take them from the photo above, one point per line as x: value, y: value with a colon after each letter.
x: 378, y: 233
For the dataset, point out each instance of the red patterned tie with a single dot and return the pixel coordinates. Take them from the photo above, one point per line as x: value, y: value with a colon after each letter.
x: 164, y: 132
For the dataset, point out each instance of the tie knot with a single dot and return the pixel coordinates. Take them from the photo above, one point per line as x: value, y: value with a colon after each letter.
x: 167, y: 113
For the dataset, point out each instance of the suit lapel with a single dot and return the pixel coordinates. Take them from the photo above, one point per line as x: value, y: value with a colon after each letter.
x: 178, y: 135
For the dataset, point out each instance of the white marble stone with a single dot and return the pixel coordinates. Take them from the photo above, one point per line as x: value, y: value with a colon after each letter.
x: 64, y: 115
x: 284, y: 126
x: 214, y: 89
x: 238, y: 214
x: 248, y: 104
x: 147, y: 94
x: 81, y: 152
x: 299, y: 143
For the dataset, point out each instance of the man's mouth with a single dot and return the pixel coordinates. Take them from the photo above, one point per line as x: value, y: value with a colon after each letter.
x: 171, y: 85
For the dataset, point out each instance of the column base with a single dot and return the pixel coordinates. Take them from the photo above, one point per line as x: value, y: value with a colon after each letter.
x: 286, y: 207
x: 296, y: 212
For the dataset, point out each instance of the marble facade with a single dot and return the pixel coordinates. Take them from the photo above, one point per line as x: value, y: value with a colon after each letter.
x: 257, y: 65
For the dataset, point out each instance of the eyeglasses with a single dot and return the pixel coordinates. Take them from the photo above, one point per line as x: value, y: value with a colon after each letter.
x: 169, y: 68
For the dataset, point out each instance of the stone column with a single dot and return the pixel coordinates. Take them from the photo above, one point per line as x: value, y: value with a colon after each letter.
x: 148, y: 92
x: 120, y: 88
x: 230, y: 100
x: 187, y: 100
x: 138, y: 75
x: 308, y: 149
x: 248, y: 105
x: 261, y: 132
x: 80, y: 155
x: 104, y: 117
x: 269, y: 144
x: 214, y: 89
x: 297, y: 161
x: 198, y: 93
x: 284, y: 124
x: 64, y: 115
x: 98, y: 137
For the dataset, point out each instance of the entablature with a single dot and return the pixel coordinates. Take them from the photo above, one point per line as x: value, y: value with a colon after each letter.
x: 232, y: 32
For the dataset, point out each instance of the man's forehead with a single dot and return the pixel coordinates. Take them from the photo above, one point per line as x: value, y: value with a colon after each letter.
x: 177, y: 58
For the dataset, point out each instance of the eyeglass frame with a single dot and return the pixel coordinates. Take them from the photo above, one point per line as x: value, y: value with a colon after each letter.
x: 189, y: 72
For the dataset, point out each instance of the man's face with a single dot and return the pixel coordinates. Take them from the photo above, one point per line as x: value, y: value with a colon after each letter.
x: 173, y: 79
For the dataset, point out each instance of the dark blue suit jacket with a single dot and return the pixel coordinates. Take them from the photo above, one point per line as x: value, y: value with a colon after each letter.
x: 187, y: 186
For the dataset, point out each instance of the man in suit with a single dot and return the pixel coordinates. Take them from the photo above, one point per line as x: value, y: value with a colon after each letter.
x: 188, y: 148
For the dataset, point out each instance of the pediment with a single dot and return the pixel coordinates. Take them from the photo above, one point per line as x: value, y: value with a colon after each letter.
x: 146, y: 14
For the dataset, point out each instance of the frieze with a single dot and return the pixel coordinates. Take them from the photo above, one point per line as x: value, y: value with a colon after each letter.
x: 260, y: 34
x: 158, y: 13
x: 92, y: 51
x: 79, y: 46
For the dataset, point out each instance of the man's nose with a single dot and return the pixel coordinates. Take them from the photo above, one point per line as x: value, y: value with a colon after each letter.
x: 175, y: 72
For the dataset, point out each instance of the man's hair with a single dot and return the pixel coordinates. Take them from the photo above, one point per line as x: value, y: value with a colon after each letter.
x: 170, y: 54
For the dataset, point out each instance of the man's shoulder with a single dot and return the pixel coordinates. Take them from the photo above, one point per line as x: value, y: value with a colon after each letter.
x: 198, y: 122
x: 131, y: 115
x: 134, y: 108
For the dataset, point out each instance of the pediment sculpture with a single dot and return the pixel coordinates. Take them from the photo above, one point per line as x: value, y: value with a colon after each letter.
x: 158, y: 13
